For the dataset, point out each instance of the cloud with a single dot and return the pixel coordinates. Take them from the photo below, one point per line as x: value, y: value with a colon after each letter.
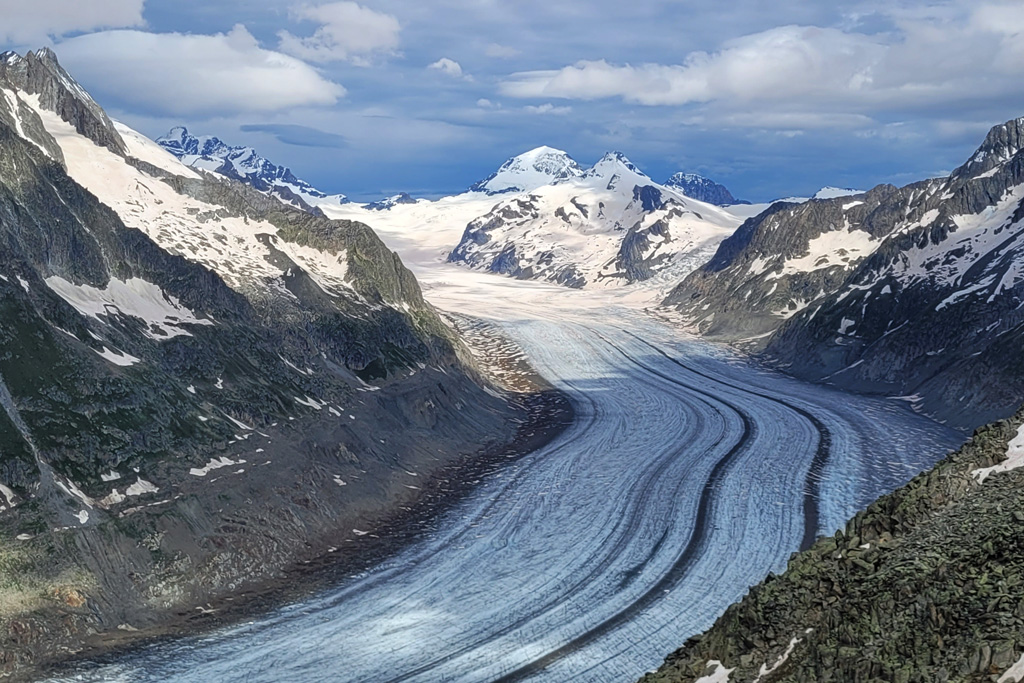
x: 190, y: 75
x: 300, y: 136
x: 34, y: 22
x: 347, y: 32
x: 548, y: 108
x: 928, y: 59
x: 502, y: 51
x: 449, y: 67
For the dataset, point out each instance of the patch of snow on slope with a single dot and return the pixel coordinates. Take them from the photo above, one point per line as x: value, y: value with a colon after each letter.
x: 1015, y: 674
x: 833, y: 248
x: 719, y: 675
x: 327, y: 270
x: 1014, y: 459
x: 118, y: 358
x: 976, y: 236
x: 214, y: 464
x: 136, y: 297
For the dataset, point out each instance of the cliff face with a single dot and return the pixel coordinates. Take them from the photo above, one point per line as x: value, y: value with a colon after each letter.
x: 924, y: 585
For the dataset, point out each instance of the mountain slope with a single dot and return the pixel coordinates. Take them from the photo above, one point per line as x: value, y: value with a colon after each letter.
x: 924, y: 585
x: 199, y: 385
x: 610, y: 225
x: 246, y: 165
x: 910, y: 291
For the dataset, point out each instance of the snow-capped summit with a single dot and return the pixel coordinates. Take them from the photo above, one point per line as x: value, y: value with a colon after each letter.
x: 530, y: 170
x: 836, y: 192
x: 246, y: 165
x: 616, y: 164
x: 703, y: 189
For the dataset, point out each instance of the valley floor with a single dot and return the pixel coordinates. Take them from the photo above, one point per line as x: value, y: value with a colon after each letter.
x: 686, y: 477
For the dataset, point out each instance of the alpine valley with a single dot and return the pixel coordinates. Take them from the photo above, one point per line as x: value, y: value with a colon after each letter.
x: 550, y: 428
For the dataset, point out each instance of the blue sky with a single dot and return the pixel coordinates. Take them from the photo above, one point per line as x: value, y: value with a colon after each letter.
x: 381, y: 96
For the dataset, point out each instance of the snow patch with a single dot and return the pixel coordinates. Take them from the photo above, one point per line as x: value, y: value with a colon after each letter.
x: 1014, y: 459
x: 719, y: 675
x: 140, y: 487
x: 833, y: 248
x: 118, y: 358
x: 1015, y: 674
x: 783, y: 658
x: 214, y: 464
x: 135, y: 297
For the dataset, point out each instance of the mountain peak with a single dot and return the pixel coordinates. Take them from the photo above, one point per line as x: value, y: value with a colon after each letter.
x: 702, y: 189
x: 616, y: 164
x: 1002, y: 143
x: 830, y: 192
x: 39, y: 73
x: 528, y: 171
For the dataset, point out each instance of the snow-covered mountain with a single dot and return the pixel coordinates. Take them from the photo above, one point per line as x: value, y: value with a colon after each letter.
x: 391, y: 202
x: 246, y: 165
x: 527, y: 172
x: 914, y: 291
x: 609, y: 225
x: 702, y: 189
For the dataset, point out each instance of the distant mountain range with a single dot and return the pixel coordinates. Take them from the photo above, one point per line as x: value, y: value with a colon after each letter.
x: 246, y: 165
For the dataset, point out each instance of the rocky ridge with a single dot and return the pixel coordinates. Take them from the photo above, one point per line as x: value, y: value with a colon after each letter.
x: 911, y: 291
x: 247, y: 166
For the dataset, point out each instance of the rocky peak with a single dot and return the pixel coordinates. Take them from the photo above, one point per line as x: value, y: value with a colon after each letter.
x: 390, y: 202
x: 702, y: 189
x: 244, y: 164
x: 40, y: 73
x: 1002, y: 143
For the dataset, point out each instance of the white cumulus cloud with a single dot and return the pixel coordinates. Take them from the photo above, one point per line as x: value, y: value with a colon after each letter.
x: 35, y: 21
x: 449, y: 67
x: 181, y: 74
x: 548, y: 108
x: 347, y: 31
